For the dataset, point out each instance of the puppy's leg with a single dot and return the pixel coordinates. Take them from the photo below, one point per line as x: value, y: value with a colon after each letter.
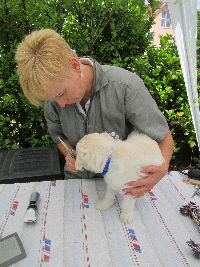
x: 108, y: 200
x: 127, y: 205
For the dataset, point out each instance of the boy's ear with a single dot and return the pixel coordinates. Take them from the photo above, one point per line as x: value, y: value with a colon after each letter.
x: 74, y: 63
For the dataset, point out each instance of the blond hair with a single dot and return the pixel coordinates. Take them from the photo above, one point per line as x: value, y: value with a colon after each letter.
x: 41, y: 56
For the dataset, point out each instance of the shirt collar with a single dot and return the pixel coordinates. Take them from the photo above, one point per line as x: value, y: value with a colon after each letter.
x: 100, y: 78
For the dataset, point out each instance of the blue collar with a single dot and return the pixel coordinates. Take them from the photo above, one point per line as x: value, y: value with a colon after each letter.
x: 106, y: 167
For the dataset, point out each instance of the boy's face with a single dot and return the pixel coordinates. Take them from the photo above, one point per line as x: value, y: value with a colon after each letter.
x: 73, y: 89
x: 68, y: 91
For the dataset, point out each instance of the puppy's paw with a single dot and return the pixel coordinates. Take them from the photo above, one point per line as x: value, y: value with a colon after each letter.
x: 126, y: 217
x: 103, y: 205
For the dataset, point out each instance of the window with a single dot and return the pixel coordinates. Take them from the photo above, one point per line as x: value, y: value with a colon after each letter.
x: 165, y: 22
x: 152, y: 36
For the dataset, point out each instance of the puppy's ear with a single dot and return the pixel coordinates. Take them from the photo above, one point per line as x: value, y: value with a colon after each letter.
x: 79, y: 162
x: 82, y: 157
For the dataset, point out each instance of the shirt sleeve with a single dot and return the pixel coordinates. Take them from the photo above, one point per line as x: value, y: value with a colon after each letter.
x: 143, y: 113
x: 52, y: 115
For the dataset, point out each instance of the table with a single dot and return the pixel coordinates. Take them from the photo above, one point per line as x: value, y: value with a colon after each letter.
x: 70, y: 232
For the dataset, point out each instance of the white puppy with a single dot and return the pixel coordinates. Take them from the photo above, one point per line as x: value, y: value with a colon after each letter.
x: 125, y: 159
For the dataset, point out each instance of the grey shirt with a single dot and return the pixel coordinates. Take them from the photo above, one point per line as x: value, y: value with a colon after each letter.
x: 119, y: 103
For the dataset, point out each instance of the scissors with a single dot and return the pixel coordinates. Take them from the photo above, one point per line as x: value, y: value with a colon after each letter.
x: 67, y: 148
x: 197, y: 192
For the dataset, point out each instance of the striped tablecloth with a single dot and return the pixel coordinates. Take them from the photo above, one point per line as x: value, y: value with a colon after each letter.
x: 70, y: 232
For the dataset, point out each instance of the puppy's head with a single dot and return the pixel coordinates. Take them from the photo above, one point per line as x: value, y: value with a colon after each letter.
x: 92, y: 152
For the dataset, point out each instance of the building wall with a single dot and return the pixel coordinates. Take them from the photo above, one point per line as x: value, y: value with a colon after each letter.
x: 157, y: 28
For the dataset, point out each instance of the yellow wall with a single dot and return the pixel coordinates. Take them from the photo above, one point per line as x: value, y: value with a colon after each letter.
x: 157, y: 29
